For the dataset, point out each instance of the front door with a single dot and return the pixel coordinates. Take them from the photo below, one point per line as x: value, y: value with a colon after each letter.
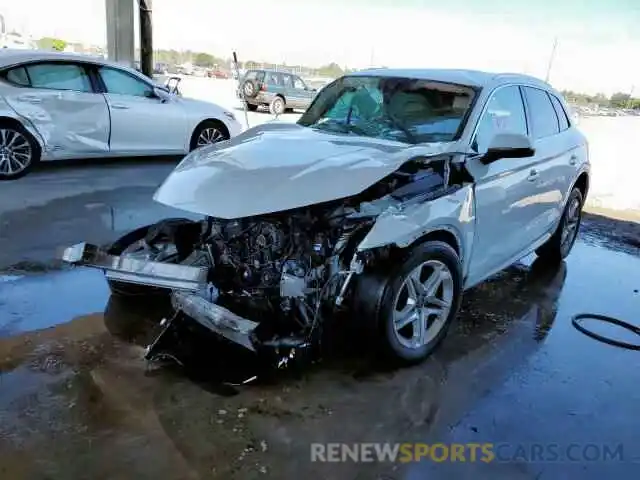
x: 299, y: 96
x: 142, y: 123
x: 505, y: 190
x: 59, y: 100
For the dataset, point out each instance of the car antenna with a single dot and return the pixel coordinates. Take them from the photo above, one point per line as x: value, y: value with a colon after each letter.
x: 237, y: 69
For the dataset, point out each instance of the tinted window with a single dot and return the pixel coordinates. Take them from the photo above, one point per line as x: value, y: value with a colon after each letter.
x: 504, y: 113
x: 251, y: 75
x: 298, y: 83
x: 117, y: 81
x: 544, y: 121
x: 18, y: 76
x: 59, y: 76
x: 563, y: 119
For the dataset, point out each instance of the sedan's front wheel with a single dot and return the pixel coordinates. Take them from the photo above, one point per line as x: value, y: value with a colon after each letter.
x: 19, y: 152
x: 207, y: 133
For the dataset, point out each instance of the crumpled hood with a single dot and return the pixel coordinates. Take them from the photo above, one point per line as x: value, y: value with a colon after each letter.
x: 280, y: 166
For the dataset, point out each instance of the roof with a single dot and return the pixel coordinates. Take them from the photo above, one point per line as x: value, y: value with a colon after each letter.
x: 471, y: 78
x: 10, y: 56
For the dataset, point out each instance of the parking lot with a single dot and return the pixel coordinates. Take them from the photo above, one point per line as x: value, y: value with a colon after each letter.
x: 75, y: 395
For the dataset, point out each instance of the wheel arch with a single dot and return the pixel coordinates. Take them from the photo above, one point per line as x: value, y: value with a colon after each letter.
x: 13, y: 121
x: 212, y: 120
x: 582, y: 183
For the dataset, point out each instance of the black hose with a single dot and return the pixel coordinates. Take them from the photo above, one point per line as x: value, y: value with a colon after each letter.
x: 577, y: 323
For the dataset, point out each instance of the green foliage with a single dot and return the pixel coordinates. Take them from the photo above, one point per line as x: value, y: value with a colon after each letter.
x: 332, y: 70
x: 204, y: 60
x: 50, y: 43
x: 617, y: 100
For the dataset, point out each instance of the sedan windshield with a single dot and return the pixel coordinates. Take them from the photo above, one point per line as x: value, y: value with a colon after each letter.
x: 392, y: 108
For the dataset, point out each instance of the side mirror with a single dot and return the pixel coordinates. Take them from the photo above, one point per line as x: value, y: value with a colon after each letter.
x: 508, y: 145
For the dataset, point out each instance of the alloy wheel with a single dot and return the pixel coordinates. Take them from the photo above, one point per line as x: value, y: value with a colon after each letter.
x: 423, y: 304
x: 209, y: 135
x: 571, y: 223
x: 16, y: 153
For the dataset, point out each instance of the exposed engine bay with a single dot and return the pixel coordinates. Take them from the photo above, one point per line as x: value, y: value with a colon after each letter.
x: 270, y: 281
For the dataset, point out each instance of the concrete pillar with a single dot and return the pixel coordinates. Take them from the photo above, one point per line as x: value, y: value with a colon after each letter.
x: 120, y: 31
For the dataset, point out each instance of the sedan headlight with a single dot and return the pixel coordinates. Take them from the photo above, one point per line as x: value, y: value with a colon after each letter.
x: 230, y: 115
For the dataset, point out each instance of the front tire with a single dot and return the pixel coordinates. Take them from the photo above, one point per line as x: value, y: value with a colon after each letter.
x: 561, y: 242
x: 421, y: 297
x: 19, y: 151
x: 208, y: 133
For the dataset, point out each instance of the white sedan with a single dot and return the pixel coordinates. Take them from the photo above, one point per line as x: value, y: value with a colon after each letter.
x: 60, y: 106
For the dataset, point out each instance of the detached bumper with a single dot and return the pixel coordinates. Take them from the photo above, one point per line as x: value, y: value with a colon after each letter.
x: 137, y: 271
x: 184, y: 280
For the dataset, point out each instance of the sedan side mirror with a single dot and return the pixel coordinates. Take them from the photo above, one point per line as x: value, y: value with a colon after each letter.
x: 508, y: 145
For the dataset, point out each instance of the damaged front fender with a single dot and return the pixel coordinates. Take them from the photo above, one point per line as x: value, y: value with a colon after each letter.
x: 402, y: 224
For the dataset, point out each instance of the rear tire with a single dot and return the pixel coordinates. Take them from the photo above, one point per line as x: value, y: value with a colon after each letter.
x: 277, y: 106
x: 19, y: 151
x: 558, y: 247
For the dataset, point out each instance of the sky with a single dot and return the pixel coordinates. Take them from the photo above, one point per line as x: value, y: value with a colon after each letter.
x: 597, y: 51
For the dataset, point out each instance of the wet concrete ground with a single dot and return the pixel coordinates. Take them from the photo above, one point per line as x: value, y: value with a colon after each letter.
x: 76, y: 399
x: 75, y: 396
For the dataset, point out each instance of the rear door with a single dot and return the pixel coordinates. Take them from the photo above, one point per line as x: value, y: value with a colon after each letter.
x: 60, y: 101
x: 554, y: 158
x: 141, y: 122
x: 505, y: 191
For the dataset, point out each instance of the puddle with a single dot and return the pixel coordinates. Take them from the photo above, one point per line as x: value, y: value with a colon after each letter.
x: 35, y: 302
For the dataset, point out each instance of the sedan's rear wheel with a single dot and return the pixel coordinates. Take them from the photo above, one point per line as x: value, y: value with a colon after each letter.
x: 19, y: 152
x: 208, y: 133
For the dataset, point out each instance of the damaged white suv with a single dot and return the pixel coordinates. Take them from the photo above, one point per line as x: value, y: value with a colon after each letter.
x: 395, y: 191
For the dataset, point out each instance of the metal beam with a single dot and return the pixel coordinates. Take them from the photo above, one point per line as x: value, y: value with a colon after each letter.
x: 146, y: 38
x: 120, y: 36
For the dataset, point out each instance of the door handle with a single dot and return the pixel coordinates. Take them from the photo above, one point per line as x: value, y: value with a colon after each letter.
x: 533, y: 175
x: 119, y: 106
x: 573, y: 160
x: 30, y: 99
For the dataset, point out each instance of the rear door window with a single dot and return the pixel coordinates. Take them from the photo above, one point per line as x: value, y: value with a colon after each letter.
x: 17, y: 76
x: 563, y: 118
x: 544, y: 121
x: 59, y: 76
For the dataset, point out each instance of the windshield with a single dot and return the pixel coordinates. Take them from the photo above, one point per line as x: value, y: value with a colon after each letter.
x: 400, y: 109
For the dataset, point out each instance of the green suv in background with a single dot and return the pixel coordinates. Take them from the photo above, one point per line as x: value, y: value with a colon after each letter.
x: 280, y: 91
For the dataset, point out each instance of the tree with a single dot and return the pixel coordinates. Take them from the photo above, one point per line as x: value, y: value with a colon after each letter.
x: 620, y: 99
x: 204, y: 60
x: 50, y: 43
x: 332, y: 70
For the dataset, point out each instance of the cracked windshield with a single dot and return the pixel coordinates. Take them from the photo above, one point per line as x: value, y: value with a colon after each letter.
x: 319, y: 240
x: 394, y: 108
